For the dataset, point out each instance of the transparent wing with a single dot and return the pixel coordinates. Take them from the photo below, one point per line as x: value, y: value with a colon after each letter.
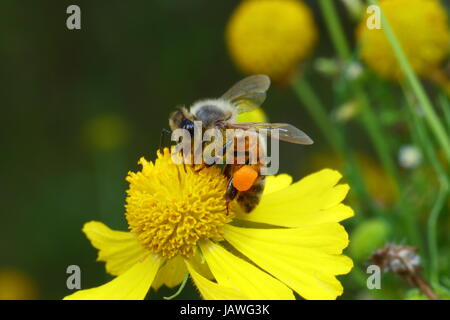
x: 249, y: 93
x: 286, y: 132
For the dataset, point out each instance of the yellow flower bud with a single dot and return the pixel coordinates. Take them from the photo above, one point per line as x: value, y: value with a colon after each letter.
x: 421, y: 27
x: 270, y: 36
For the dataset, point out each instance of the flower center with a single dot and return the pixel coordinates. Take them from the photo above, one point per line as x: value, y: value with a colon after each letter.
x: 170, y: 207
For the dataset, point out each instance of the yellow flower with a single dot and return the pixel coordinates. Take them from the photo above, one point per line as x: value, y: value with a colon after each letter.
x: 180, y: 224
x: 16, y: 285
x: 270, y: 36
x: 106, y: 132
x: 421, y: 28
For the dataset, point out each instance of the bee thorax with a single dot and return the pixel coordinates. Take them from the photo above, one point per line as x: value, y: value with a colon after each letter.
x: 211, y: 111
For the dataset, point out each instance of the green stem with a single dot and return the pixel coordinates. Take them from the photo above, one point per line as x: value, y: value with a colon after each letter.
x: 445, y: 106
x: 430, y: 115
x: 369, y: 118
x: 183, y: 284
x: 432, y: 238
x: 314, y: 106
x: 432, y: 234
x: 380, y: 142
x: 335, y: 29
x: 333, y: 135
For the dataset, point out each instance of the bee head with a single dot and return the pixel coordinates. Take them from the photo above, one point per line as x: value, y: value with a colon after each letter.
x: 182, y: 119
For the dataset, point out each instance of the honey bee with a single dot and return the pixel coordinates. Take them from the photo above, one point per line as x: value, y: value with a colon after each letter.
x: 246, y: 183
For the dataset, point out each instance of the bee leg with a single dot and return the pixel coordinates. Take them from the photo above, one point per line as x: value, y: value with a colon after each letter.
x: 161, y: 139
x: 200, y: 169
x: 230, y: 194
x: 226, y: 170
x: 207, y: 165
x: 203, y: 166
x: 217, y: 158
x: 182, y: 157
x: 231, y: 190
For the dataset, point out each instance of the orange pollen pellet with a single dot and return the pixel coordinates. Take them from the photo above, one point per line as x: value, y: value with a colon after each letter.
x: 244, y: 178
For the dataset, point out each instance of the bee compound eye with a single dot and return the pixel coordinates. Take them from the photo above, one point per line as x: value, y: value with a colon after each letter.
x: 188, y: 125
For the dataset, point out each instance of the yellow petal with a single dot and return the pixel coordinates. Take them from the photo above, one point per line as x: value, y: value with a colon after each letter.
x: 315, y: 199
x: 171, y: 274
x: 257, y: 115
x: 231, y: 271
x: 200, y: 265
x: 306, y: 259
x: 120, y: 250
x: 133, y: 284
x: 211, y: 290
x: 277, y: 183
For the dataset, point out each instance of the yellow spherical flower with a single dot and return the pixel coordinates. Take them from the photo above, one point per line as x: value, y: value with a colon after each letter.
x: 106, y: 132
x: 270, y: 36
x: 16, y: 285
x: 422, y: 29
x: 181, y: 224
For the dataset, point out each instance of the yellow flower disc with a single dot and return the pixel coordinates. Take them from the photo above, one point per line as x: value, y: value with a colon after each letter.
x: 270, y: 36
x: 171, y: 209
x: 422, y: 29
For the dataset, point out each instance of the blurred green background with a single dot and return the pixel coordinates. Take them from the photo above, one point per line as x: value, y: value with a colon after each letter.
x: 79, y: 108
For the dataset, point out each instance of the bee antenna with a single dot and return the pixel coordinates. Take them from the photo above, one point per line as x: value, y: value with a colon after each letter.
x: 161, y: 138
